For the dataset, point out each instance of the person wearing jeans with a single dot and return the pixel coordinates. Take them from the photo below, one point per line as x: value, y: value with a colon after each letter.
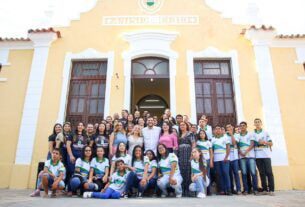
x: 247, y: 158
x: 263, y: 144
x: 200, y: 179
x: 221, y: 148
x: 234, y: 159
x: 115, y: 188
x: 137, y: 178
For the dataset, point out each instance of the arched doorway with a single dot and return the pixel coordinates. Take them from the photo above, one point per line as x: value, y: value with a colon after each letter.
x: 150, y: 85
x: 153, y: 103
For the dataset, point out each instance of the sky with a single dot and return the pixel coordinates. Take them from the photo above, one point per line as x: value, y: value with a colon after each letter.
x: 287, y: 16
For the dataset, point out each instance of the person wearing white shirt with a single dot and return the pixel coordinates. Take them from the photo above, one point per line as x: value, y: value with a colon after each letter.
x: 263, y: 144
x: 151, y: 135
x: 203, y: 125
x: 247, y: 157
x: 234, y: 159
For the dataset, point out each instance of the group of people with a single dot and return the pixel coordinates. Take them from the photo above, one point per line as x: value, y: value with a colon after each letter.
x: 134, y: 155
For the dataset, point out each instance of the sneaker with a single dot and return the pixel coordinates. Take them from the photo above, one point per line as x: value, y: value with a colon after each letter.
x: 263, y: 193
x: 125, y: 195
x: 78, y: 192
x: 35, y: 193
x: 87, y: 195
x: 95, y: 187
x: 163, y: 195
x: 74, y: 195
x: 139, y: 195
x: 179, y: 195
x: 238, y: 193
x: 229, y: 193
x: 271, y: 193
x: 201, y: 195
x: 53, y: 194
x: 245, y: 193
x: 255, y: 192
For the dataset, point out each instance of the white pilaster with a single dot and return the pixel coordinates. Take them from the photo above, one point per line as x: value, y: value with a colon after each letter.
x: 27, y: 132
x: 150, y: 43
x: 271, y: 108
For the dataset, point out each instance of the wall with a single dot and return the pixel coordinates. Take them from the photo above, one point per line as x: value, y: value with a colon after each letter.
x: 292, y: 101
x: 11, y: 105
x: 213, y: 31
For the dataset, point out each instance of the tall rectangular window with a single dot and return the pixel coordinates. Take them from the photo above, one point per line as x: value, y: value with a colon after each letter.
x: 87, y: 92
x: 214, y: 91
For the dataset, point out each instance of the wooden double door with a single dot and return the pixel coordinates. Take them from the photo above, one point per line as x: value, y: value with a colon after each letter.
x: 86, y: 99
x: 214, y: 92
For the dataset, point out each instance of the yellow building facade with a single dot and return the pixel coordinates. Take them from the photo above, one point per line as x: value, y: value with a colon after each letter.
x: 266, y: 71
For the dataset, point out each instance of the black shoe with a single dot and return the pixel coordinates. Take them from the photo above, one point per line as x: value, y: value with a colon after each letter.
x: 229, y: 193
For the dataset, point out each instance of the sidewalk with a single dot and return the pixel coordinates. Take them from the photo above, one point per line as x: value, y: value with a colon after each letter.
x: 20, y: 198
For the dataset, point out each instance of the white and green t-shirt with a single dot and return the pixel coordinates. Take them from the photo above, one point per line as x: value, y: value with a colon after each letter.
x: 219, y: 147
x: 99, y: 167
x: 55, y: 169
x: 126, y: 158
x: 233, y: 148
x: 84, y: 167
x: 262, y: 151
x: 118, y: 182
x: 165, y: 165
x: 205, y: 147
x: 152, y: 164
x: 139, y: 165
x: 195, y: 166
x: 245, y: 142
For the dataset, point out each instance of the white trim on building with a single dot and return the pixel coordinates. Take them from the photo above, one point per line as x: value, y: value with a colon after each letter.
x: 88, y: 54
x: 42, y: 42
x: 262, y: 41
x: 150, y: 43
x: 214, y: 53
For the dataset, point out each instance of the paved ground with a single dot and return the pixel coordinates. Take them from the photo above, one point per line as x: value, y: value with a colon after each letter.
x: 20, y: 198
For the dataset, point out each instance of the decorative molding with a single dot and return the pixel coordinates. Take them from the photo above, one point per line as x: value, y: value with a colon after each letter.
x: 17, y: 45
x: 33, y: 95
x: 214, y: 53
x: 88, y: 54
x: 4, y: 54
x: 150, y: 43
x: 302, y: 78
x: 300, y: 51
x: 78, y: 8
x: 271, y: 107
x: 269, y: 38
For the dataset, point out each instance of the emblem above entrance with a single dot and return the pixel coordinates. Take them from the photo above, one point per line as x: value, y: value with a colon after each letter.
x: 151, y: 6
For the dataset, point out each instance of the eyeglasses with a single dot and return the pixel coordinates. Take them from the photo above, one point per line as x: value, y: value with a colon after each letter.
x: 87, y: 150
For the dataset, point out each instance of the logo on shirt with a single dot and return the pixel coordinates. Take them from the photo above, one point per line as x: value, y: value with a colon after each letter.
x: 151, y: 6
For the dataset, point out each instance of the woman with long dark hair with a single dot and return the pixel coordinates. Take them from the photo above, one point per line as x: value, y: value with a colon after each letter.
x: 120, y: 154
x: 170, y: 172
x: 81, y: 173
x: 75, y: 145
x: 101, y: 139
x: 57, y: 128
x: 205, y: 146
x: 186, y: 143
x: 137, y: 178
x: 199, y: 179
